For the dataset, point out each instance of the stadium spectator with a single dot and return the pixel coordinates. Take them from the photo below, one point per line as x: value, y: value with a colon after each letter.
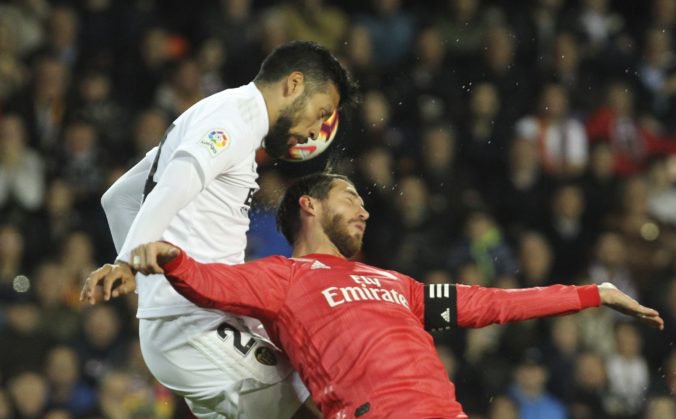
x: 529, y: 389
x: 565, y: 231
x: 58, y: 320
x: 22, y: 170
x: 66, y: 390
x: 29, y: 394
x: 392, y: 29
x: 484, y: 135
x: 633, y: 140
x: 535, y: 260
x: 628, y: 376
x: 589, y: 396
x: 560, y: 139
x: 601, y: 187
x: 315, y: 20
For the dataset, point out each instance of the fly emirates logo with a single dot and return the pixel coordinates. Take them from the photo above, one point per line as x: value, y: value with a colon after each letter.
x: 367, y: 289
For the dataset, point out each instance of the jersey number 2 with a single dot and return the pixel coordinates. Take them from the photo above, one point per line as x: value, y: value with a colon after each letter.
x: 224, y: 331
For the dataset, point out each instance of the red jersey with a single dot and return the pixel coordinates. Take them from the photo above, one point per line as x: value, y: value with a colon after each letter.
x: 355, y: 333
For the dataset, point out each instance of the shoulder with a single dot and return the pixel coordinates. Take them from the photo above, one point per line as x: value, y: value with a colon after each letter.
x: 239, y: 111
x: 274, y: 261
x: 219, y: 108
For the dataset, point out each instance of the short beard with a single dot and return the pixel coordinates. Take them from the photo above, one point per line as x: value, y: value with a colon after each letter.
x: 335, y: 228
x: 277, y: 140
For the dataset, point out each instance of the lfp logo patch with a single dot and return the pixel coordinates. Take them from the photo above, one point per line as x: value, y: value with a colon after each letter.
x: 216, y: 141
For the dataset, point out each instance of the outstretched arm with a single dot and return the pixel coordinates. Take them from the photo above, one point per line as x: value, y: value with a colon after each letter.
x: 448, y: 305
x: 257, y: 289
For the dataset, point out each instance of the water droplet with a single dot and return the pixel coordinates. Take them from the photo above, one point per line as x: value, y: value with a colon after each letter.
x: 21, y: 283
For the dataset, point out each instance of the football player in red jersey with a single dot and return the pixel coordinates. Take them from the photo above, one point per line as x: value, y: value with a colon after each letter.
x: 357, y: 334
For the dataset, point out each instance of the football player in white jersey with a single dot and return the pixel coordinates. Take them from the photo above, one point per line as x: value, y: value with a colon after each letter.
x: 194, y: 189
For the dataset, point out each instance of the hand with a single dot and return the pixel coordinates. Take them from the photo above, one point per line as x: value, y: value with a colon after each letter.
x: 617, y: 300
x: 109, y: 280
x: 147, y: 258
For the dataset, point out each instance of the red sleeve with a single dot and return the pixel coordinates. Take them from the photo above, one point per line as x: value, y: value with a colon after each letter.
x: 479, y: 307
x: 257, y: 289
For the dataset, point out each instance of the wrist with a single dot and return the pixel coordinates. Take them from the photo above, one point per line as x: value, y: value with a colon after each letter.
x: 606, y: 291
x: 590, y: 296
x: 175, y: 262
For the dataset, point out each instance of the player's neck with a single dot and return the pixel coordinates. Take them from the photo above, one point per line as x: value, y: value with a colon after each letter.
x: 314, y: 242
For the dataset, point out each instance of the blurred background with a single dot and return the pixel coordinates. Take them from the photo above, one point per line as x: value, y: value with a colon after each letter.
x: 498, y: 143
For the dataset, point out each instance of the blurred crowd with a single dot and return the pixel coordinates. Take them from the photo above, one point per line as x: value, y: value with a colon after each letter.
x: 497, y: 143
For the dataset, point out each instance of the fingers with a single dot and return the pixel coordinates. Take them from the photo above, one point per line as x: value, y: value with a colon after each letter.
x: 109, y: 282
x: 92, y: 282
x: 152, y: 259
x: 166, y: 253
x: 124, y: 288
x: 627, y: 305
x: 654, y: 321
x: 651, y: 317
x: 138, y: 259
x: 144, y: 259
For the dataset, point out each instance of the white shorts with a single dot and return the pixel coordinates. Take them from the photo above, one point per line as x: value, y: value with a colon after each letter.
x: 222, y: 370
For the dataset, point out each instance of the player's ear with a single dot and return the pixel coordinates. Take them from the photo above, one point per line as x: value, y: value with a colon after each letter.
x: 294, y: 84
x: 307, y: 205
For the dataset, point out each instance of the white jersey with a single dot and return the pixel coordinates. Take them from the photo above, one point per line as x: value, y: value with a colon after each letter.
x: 219, y: 135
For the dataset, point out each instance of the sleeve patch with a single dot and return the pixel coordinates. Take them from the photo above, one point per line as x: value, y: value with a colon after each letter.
x: 216, y: 141
x: 440, y: 307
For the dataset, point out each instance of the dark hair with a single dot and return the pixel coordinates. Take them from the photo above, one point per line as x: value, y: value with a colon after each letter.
x: 316, y: 185
x: 315, y: 62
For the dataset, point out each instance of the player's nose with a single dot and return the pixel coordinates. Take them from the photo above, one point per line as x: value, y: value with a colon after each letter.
x: 315, y: 130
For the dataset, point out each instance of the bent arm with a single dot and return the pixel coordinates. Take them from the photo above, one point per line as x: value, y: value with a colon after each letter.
x: 122, y: 201
x: 179, y: 184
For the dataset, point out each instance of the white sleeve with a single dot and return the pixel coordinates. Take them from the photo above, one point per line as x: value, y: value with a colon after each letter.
x: 123, y: 199
x: 179, y: 184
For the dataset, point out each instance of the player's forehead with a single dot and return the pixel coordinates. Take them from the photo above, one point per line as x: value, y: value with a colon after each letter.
x: 344, y: 187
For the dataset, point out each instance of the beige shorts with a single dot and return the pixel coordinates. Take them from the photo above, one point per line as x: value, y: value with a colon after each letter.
x: 221, y: 369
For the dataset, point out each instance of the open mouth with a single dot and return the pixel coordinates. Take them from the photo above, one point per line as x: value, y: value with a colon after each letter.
x: 295, y: 139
